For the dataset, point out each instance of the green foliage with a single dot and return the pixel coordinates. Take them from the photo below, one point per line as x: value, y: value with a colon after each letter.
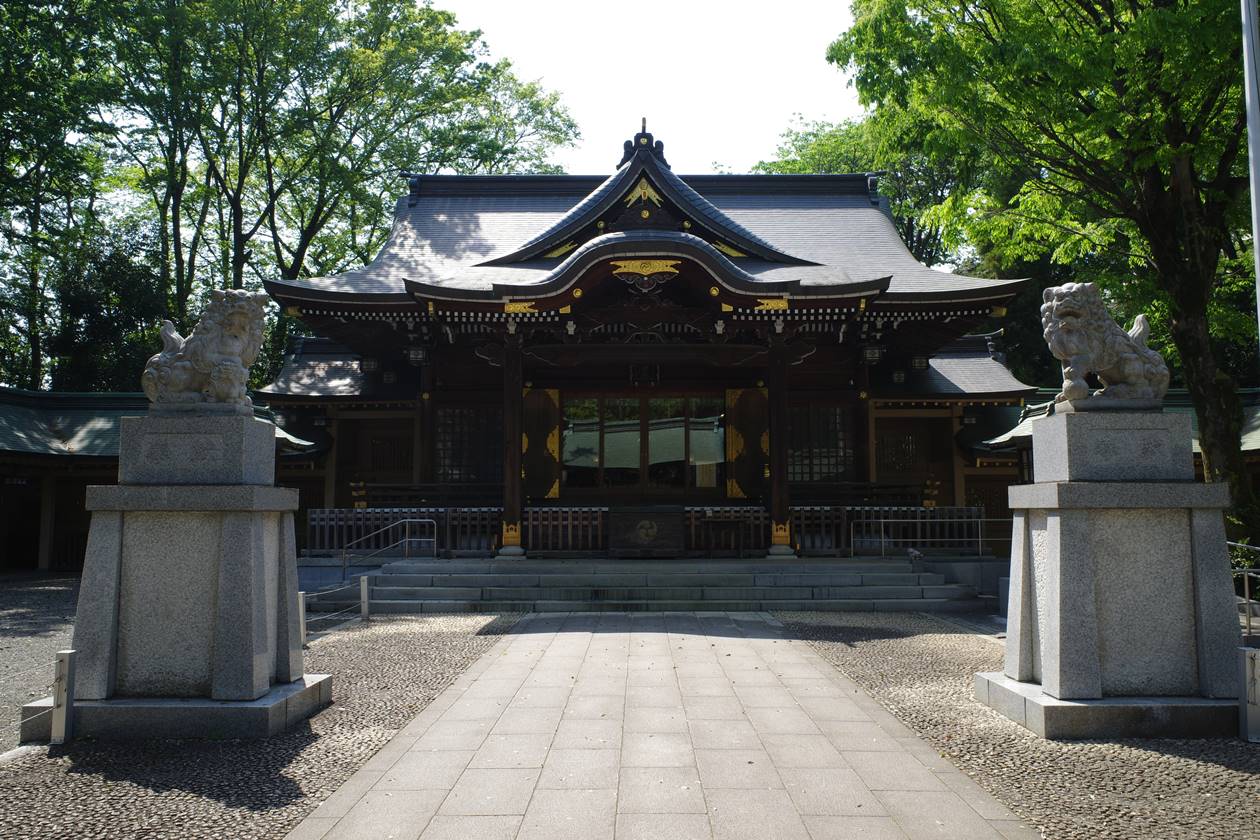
x: 920, y: 168
x: 109, y: 308
x: 254, y: 140
x: 1119, y: 128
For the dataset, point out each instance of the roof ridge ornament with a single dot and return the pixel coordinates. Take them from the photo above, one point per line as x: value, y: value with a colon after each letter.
x: 643, y: 142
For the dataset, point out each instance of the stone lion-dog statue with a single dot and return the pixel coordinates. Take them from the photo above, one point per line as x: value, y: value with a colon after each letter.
x: 1083, y: 335
x: 210, y: 368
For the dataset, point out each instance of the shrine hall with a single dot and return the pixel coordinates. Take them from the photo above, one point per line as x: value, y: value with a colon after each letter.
x: 643, y: 364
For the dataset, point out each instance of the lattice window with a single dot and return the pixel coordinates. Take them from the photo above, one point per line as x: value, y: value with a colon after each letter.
x: 819, y: 447
x: 468, y: 444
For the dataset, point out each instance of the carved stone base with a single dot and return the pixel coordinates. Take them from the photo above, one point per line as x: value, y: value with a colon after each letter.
x: 162, y: 449
x: 285, y: 705
x: 188, y: 592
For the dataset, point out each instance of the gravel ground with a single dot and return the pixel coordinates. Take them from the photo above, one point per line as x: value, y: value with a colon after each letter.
x: 36, y: 621
x: 384, y: 672
x: 920, y: 667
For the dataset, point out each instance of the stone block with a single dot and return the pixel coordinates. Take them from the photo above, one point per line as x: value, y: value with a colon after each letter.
x: 1111, y: 717
x: 1113, y: 446
x: 204, y: 497
x: 96, y: 621
x: 1216, y: 622
x: 1118, y: 495
x: 166, y: 616
x: 162, y: 718
x: 196, y: 449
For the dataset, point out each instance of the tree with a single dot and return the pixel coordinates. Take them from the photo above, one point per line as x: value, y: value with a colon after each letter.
x: 50, y: 81
x: 920, y: 168
x: 110, y: 307
x: 1129, y: 120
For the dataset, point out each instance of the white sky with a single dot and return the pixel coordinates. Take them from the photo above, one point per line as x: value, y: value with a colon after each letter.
x: 717, y: 81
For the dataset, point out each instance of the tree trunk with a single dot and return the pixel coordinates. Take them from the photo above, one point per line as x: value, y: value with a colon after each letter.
x: 1215, y: 399
x: 35, y: 301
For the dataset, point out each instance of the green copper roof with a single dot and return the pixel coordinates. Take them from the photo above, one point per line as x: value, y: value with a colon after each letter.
x: 83, y: 424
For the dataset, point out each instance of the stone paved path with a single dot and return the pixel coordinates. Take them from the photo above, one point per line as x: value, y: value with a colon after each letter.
x: 638, y: 727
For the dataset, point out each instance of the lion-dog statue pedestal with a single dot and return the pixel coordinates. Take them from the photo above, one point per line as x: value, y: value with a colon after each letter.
x: 1121, y: 617
x: 187, y: 623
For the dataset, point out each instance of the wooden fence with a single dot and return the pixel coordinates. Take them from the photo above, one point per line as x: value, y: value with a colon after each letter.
x: 825, y: 530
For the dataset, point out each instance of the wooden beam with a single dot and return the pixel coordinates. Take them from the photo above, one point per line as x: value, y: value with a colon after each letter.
x: 780, y: 502
x: 513, y: 386
x: 47, y: 520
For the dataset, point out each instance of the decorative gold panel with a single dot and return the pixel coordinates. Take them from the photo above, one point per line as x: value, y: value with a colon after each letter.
x: 519, y: 307
x: 781, y: 533
x: 561, y: 251
x: 645, y: 268
x: 772, y: 304
x: 643, y: 192
x: 554, y: 491
x: 728, y: 250
x: 511, y: 533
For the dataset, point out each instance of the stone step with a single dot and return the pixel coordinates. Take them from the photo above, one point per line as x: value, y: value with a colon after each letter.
x: 408, y: 607
x: 659, y: 593
x: 689, y: 579
x: 647, y: 567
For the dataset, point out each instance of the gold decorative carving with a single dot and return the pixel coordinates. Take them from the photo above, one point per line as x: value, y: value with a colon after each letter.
x: 431, y: 307
x: 861, y: 304
x: 772, y: 304
x: 554, y: 491
x: 780, y: 533
x: 732, y: 489
x: 293, y: 311
x: 686, y: 225
x: 519, y: 307
x: 561, y: 251
x: 714, y: 291
x: 765, y: 443
x: 644, y: 214
x: 726, y: 307
x: 727, y: 249
x: 577, y: 293
x: 565, y: 310
x: 524, y: 443
x: 998, y: 311
x: 511, y: 533
x: 646, y: 268
x: 644, y: 192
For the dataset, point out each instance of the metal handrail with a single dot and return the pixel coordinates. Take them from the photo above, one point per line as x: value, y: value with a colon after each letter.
x: 406, y: 541
x: 977, y: 521
x: 1247, y: 575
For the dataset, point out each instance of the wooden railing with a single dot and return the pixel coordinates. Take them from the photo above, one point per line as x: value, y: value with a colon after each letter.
x: 727, y: 529
x: 826, y: 530
x: 565, y: 529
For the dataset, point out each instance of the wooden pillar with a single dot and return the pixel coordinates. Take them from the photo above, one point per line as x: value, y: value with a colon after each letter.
x: 866, y: 423
x: 513, y: 384
x: 47, y: 520
x: 426, y: 430
x: 780, y: 503
x: 330, y: 460
x: 959, y: 462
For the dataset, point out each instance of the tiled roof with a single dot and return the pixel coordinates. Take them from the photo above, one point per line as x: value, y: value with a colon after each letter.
x: 965, y: 367
x: 317, y: 367
x: 445, y: 238
x: 1176, y: 402
x: 83, y: 424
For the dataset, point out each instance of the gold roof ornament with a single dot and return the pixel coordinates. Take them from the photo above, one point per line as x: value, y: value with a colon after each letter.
x: 645, y: 268
x: 727, y: 249
x: 561, y: 251
x: 643, y: 191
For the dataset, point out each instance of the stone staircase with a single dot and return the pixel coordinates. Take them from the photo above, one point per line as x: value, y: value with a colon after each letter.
x: 858, y: 584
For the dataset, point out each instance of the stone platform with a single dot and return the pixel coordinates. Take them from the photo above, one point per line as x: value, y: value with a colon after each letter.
x: 1109, y: 717
x: 121, y: 718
